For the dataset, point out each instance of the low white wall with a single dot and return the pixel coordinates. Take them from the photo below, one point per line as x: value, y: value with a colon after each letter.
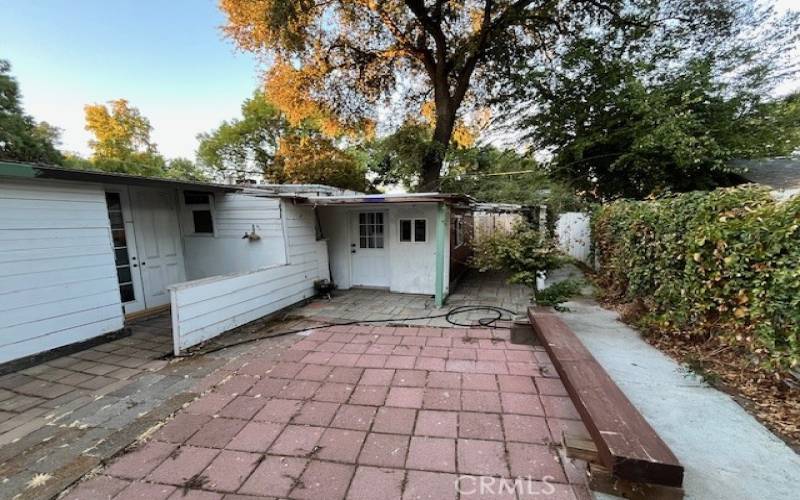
x: 58, y: 280
x: 573, y: 232
x: 226, y: 252
x: 205, y: 308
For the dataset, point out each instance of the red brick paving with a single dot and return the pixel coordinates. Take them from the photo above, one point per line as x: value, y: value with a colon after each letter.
x: 482, y: 458
x: 256, y: 437
x: 354, y: 417
x: 230, y: 469
x: 146, y: 491
x: 384, y: 450
x: 437, y: 424
x: 140, y: 462
x: 217, y: 433
x: 377, y: 376
x: 183, y: 465
x: 276, y: 476
x: 362, y: 412
x: 370, y: 483
x: 434, y: 454
x: 297, y: 440
x: 480, y: 426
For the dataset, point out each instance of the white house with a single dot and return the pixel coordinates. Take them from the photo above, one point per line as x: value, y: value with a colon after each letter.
x: 81, y: 252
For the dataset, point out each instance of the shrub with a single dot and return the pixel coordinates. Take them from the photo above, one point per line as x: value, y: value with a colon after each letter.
x: 524, y: 252
x: 559, y: 292
x: 724, y: 263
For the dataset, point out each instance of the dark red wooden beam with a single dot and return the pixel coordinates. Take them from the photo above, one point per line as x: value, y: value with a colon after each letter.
x: 626, y: 444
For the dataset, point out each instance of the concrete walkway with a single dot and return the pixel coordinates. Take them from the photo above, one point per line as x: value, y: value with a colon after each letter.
x: 727, y: 453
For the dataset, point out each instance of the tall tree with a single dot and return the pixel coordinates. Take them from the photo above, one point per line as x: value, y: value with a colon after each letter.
x: 265, y: 142
x: 396, y: 157
x: 21, y: 138
x: 313, y: 159
x: 120, y: 132
x: 246, y: 145
x: 632, y: 114
x: 341, y: 61
x: 122, y: 144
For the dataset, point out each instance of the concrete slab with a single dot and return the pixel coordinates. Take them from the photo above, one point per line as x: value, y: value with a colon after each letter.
x: 726, y: 452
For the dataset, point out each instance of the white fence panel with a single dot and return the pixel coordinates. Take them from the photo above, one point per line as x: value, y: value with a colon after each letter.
x: 573, y: 232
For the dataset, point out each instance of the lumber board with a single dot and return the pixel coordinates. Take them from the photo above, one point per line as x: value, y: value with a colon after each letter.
x: 626, y: 444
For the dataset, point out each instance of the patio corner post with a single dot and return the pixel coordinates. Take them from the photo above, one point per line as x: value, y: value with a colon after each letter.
x: 441, y: 231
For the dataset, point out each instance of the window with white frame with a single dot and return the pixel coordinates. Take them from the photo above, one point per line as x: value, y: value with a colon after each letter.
x: 413, y: 230
x: 199, y: 206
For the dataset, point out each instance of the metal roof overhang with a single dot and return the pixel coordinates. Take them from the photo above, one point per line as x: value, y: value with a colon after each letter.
x: 450, y: 199
x: 11, y: 169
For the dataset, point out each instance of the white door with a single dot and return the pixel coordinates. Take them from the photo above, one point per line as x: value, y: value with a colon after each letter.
x: 158, y: 243
x: 369, y: 264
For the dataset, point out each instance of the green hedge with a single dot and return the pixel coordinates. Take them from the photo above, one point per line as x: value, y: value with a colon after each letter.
x: 724, y: 263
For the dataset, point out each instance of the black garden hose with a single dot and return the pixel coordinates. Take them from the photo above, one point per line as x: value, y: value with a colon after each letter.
x: 496, y: 314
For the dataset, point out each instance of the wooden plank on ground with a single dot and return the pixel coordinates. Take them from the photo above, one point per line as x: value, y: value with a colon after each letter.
x: 626, y: 444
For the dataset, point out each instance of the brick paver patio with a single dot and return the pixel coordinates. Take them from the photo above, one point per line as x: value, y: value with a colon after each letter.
x: 36, y: 396
x: 362, y: 412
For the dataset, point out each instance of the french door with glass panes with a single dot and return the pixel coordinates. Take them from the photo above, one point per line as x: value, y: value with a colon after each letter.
x: 369, y: 249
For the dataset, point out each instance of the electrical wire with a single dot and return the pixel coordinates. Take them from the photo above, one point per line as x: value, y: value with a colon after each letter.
x: 496, y: 314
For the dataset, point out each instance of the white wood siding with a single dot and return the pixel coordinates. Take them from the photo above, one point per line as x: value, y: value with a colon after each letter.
x: 58, y: 281
x: 205, y: 308
x: 226, y: 252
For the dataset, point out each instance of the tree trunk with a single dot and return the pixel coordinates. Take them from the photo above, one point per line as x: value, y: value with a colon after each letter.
x: 431, y: 168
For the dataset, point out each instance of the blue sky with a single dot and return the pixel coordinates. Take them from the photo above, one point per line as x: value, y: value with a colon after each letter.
x: 168, y: 58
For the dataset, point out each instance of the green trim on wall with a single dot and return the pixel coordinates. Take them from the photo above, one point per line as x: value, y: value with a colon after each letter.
x: 441, y: 231
x: 18, y: 170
